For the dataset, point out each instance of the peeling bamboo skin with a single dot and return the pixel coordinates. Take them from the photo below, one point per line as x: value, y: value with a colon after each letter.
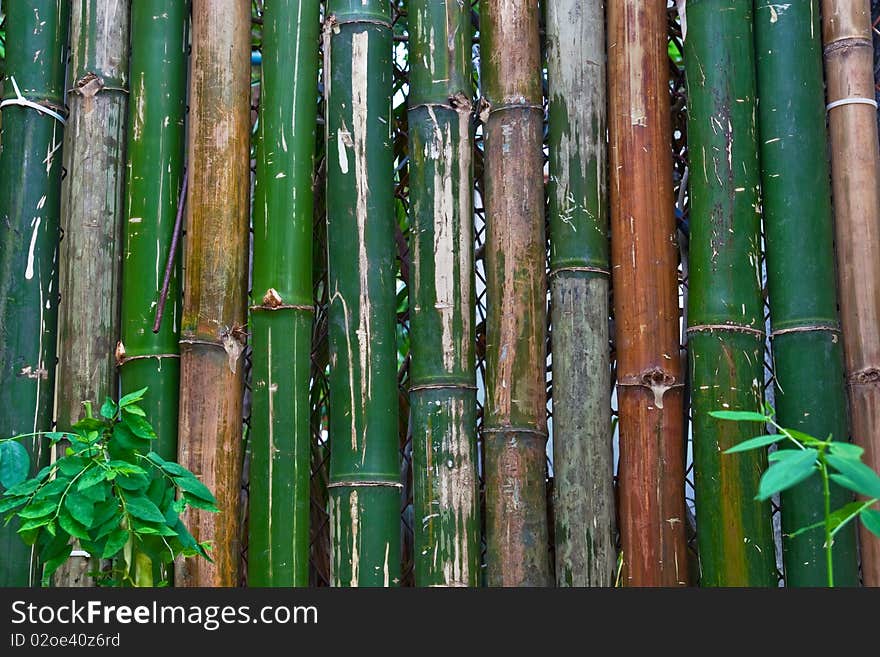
x: 644, y: 256
x: 855, y: 168
x: 515, y: 423
x: 155, y: 152
x: 442, y: 366
x: 92, y: 206
x: 281, y: 313
x: 364, y: 463
x: 725, y: 313
x: 215, y: 261
x: 583, y: 504
x: 29, y: 232
x: 808, y: 354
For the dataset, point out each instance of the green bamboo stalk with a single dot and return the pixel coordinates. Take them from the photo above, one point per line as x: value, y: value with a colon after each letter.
x: 157, y: 114
x: 807, y: 350
x: 442, y: 366
x: 30, y: 198
x: 91, y: 211
x: 579, y: 268
x: 515, y: 424
x: 725, y: 312
x: 215, y: 263
x: 282, y: 312
x: 364, y: 462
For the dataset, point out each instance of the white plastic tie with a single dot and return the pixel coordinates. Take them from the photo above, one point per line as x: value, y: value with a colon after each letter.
x: 851, y: 101
x: 24, y: 102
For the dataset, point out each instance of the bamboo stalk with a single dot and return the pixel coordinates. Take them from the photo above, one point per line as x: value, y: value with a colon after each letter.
x: 30, y: 188
x: 579, y: 269
x: 157, y: 114
x: 282, y: 312
x: 855, y: 175
x: 725, y: 307
x: 91, y: 209
x: 364, y: 462
x: 442, y: 367
x: 807, y: 350
x: 645, y: 263
x: 515, y: 425
x: 215, y: 263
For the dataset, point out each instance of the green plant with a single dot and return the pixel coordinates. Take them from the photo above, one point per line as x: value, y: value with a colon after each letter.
x: 835, y: 461
x: 109, y: 491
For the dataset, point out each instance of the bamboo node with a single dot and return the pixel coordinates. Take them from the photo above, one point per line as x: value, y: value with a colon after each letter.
x: 655, y: 379
x: 89, y: 85
x: 120, y: 353
x: 866, y: 376
x: 233, y: 341
x: 272, y: 299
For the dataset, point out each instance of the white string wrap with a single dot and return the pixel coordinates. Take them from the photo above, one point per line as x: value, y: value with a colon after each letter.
x: 24, y: 102
x: 851, y: 101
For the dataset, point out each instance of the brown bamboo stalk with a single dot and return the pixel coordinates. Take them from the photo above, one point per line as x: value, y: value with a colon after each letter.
x: 644, y: 256
x: 212, y: 326
x: 855, y: 176
x: 515, y: 427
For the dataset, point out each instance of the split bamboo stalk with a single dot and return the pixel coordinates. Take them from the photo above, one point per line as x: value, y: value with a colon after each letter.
x: 442, y: 366
x: 215, y: 264
x: 30, y: 198
x: 282, y: 311
x: 91, y: 211
x: 579, y: 269
x: 647, y: 325
x: 364, y: 462
x: 807, y: 350
x: 855, y: 175
x: 515, y: 424
x: 725, y: 306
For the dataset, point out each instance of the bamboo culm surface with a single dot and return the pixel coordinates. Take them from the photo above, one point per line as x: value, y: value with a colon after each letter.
x: 364, y: 499
x: 645, y: 265
x: 583, y: 490
x: 807, y: 349
x: 212, y: 332
x: 30, y: 198
x: 281, y: 310
x: 725, y: 306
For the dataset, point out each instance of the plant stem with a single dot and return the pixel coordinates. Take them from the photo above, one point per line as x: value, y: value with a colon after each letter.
x: 829, y: 538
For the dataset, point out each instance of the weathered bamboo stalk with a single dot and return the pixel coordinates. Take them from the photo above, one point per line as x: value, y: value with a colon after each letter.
x: 807, y: 350
x: 645, y: 263
x: 155, y: 152
x: 30, y: 188
x: 364, y: 462
x: 579, y: 269
x: 91, y: 211
x: 215, y: 262
x: 855, y: 175
x: 442, y: 367
x: 515, y: 425
x: 282, y: 311
x: 725, y: 307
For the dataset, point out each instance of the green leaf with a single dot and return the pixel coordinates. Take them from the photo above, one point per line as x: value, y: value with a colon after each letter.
x: 115, y: 543
x: 803, y: 530
x: 14, y: 463
x: 871, y: 520
x: 124, y: 467
x: 754, y: 443
x: 88, y: 424
x: 135, y: 410
x: 9, y: 502
x: 864, y: 479
x: 132, y: 397
x: 24, y: 488
x: 126, y: 439
x: 71, y: 465
x: 55, y: 436
x: 34, y: 523
x: 198, y: 503
x: 71, y: 525
x: 138, y: 425
x: 51, y: 488
x: 81, y: 508
x: 109, y: 409
x: 133, y: 482
x: 739, y: 416
x: 805, y: 438
x: 38, y: 509
x: 53, y: 564
x: 846, y: 451
x: 788, y: 472
x: 95, y: 475
x: 175, y: 469
x: 141, y: 507
x: 195, y: 488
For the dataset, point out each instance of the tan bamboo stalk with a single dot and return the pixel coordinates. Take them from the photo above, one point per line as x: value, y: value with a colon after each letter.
x: 644, y: 256
x: 855, y: 176
x: 215, y: 261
